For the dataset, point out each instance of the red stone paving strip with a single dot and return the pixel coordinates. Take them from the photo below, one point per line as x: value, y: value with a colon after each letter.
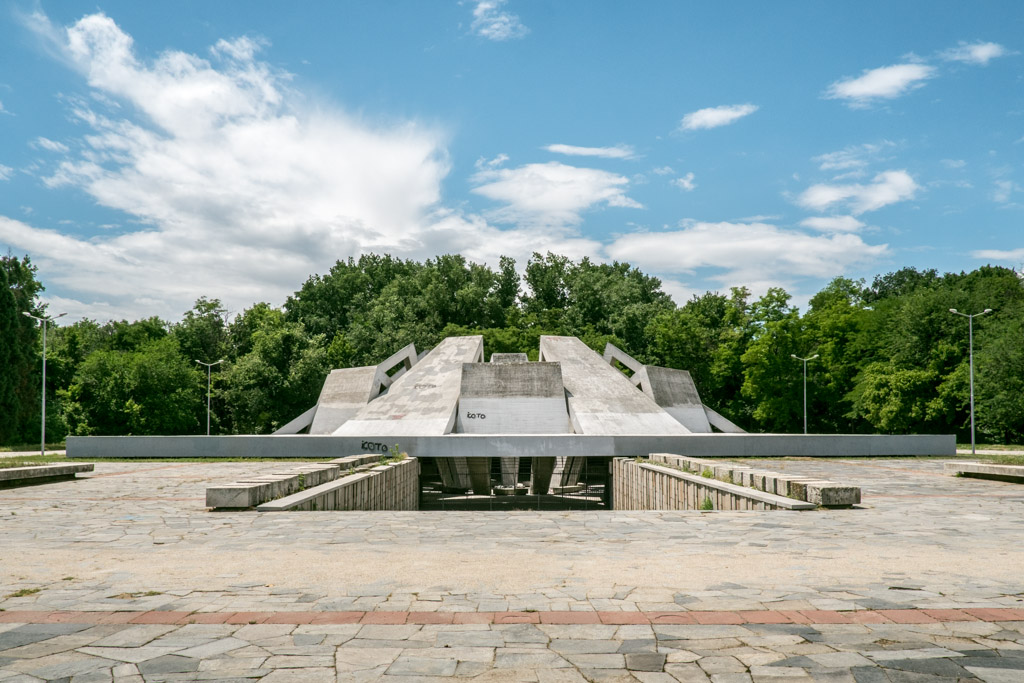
x: 884, y: 616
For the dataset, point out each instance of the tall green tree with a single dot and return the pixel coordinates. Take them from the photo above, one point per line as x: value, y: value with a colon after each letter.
x: 19, y: 350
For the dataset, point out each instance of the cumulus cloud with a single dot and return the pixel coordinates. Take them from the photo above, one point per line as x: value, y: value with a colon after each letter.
x: 616, y: 152
x: 832, y: 223
x: 713, y: 117
x: 685, y: 183
x: 887, y: 82
x: 6, y: 172
x: 886, y: 188
x: 974, y: 53
x: 662, y: 170
x: 491, y: 22
x: 234, y: 185
x: 1015, y: 255
x: 551, y: 194
x: 755, y: 254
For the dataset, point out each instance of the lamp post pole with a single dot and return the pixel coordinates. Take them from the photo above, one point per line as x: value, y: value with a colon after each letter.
x: 970, y: 352
x: 209, y: 370
x: 42, y: 322
x: 805, y: 384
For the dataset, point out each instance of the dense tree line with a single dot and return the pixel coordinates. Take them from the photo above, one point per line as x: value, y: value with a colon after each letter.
x: 892, y: 358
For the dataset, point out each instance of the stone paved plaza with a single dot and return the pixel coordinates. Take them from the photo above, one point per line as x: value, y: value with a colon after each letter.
x: 123, y: 575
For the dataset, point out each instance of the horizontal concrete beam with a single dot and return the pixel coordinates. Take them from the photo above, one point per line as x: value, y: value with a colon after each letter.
x: 15, y: 475
x: 511, y: 445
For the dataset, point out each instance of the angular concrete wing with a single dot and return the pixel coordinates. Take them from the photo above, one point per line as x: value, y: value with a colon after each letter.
x: 675, y: 391
x: 423, y: 400
x: 345, y: 393
x: 601, y: 399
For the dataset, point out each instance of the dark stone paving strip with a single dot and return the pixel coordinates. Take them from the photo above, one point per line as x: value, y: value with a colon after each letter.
x: 699, y: 618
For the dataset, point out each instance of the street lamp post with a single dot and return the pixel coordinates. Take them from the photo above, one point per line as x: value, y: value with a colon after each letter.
x: 43, y: 321
x: 209, y: 370
x: 970, y: 343
x: 805, y: 384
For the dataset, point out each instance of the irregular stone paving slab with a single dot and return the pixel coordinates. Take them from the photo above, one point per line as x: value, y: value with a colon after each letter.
x: 119, y: 579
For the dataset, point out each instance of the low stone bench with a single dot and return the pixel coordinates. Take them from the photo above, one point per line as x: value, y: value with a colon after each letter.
x: 986, y: 470
x: 641, y: 485
x: 252, y: 491
x: 38, y: 474
x: 817, y: 491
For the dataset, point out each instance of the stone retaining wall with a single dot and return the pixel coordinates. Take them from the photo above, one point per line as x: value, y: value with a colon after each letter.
x: 640, y: 485
x: 393, y: 486
x: 817, y: 491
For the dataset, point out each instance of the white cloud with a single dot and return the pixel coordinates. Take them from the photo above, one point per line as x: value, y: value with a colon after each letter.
x: 754, y: 254
x: 974, y: 53
x: 886, y: 188
x: 953, y: 163
x: 887, y: 82
x: 685, y: 183
x: 6, y: 172
x: 50, y: 145
x: 491, y: 22
x: 616, y: 152
x: 853, y: 157
x: 1004, y: 189
x: 241, y: 187
x: 713, y: 117
x: 832, y: 223
x: 1016, y: 255
x: 483, y: 163
x: 551, y: 194
x: 662, y: 170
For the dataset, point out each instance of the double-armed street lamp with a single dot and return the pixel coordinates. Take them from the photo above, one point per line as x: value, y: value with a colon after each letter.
x: 209, y: 370
x: 970, y: 337
x: 805, y: 384
x: 43, y: 322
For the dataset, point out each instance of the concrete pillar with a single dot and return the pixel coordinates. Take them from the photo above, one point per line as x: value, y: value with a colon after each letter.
x: 480, y: 475
x: 541, y: 470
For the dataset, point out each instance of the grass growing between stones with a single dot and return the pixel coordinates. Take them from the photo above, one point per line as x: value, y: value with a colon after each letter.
x: 23, y: 593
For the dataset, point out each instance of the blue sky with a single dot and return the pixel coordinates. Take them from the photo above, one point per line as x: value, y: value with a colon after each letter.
x: 152, y: 153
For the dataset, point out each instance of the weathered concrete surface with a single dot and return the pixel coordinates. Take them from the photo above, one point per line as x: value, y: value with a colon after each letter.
x: 252, y: 490
x: 824, y: 493
x: 344, y: 394
x: 513, y: 398
x: 675, y: 391
x: 392, y: 486
x: 601, y: 399
x: 424, y: 399
x: 509, y: 358
x: 514, y: 445
x: 11, y: 476
x: 640, y: 485
x: 984, y: 470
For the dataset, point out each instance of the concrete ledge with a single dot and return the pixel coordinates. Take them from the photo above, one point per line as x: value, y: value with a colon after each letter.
x: 779, y: 502
x: 393, y: 486
x: 986, y: 470
x: 513, y: 445
x: 639, y: 485
x: 14, y: 476
x: 808, y: 489
x: 251, y: 491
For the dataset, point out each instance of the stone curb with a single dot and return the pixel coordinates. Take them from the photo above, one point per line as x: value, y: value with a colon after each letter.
x: 696, y: 618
